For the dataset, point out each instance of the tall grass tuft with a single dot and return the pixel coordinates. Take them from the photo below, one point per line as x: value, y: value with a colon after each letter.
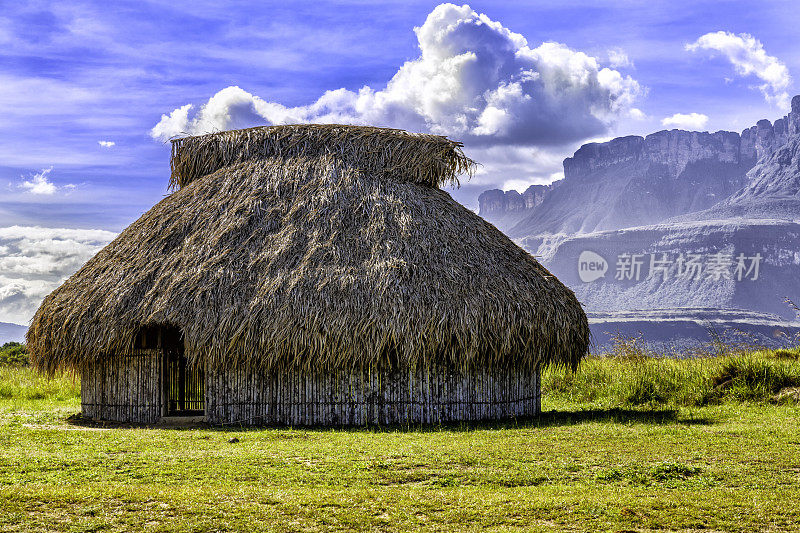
x: 756, y: 377
x: 18, y: 381
x: 24, y: 383
x: 633, y: 375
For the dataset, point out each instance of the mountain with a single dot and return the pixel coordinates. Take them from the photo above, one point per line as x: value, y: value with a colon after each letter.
x: 635, y: 181
x: 12, y: 333
x: 772, y: 189
x: 670, y: 282
x: 679, y: 328
x: 677, y: 232
x: 505, y: 208
x: 724, y: 264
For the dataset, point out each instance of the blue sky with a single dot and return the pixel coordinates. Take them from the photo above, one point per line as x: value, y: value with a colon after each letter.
x: 73, y: 74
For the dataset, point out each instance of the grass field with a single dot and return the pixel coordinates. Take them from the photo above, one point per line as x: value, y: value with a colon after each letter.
x: 626, y: 444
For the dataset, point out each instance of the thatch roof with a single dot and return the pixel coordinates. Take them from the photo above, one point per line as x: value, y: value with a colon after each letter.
x: 315, y: 246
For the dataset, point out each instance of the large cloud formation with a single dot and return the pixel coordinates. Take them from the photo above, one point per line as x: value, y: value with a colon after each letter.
x: 474, y: 80
x: 748, y: 57
x: 34, y: 261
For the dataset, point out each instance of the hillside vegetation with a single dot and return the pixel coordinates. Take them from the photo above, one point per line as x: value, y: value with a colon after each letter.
x: 14, y: 354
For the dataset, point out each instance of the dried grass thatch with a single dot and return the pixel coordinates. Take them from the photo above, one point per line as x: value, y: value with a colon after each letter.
x: 315, y: 247
x: 380, y: 152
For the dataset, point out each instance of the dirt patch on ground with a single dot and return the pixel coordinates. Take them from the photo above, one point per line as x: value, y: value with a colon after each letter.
x: 787, y: 395
x: 65, y: 427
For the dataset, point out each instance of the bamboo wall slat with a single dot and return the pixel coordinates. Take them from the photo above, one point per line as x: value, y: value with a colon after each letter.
x: 123, y: 388
x: 427, y: 395
x: 128, y: 388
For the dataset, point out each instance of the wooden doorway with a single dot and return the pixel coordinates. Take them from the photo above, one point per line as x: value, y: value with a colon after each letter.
x: 184, y: 384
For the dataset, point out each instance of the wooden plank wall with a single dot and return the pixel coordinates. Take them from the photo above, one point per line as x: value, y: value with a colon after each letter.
x: 428, y: 395
x: 123, y: 387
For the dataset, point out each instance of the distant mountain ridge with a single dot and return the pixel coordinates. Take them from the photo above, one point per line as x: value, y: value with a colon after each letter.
x: 12, y: 333
x: 634, y: 181
x: 505, y: 208
x: 674, y: 233
x: 775, y: 242
x: 772, y: 190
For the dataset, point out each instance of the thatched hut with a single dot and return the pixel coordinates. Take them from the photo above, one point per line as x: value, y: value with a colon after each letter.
x: 310, y: 275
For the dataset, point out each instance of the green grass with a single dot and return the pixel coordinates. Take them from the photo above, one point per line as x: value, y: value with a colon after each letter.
x: 626, y: 444
x: 638, y: 380
x: 22, y: 385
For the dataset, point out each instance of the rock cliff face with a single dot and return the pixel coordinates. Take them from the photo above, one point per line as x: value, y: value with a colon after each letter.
x: 772, y: 190
x: 674, y: 150
x: 634, y: 181
x: 505, y: 208
x: 740, y: 264
x: 764, y: 137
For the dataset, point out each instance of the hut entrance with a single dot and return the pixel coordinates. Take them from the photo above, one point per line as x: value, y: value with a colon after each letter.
x: 184, y: 383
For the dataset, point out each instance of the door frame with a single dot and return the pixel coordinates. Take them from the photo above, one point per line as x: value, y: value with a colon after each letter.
x: 169, y: 352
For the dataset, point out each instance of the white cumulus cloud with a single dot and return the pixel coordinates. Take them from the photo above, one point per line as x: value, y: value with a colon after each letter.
x: 690, y: 121
x: 106, y: 144
x: 748, y: 57
x: 34, y: 261
x: 474, y: 80
x: 637, y: 114
x: 40, y: 184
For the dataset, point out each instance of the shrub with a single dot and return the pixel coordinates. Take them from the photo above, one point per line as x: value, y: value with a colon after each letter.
x: 14, y: 354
